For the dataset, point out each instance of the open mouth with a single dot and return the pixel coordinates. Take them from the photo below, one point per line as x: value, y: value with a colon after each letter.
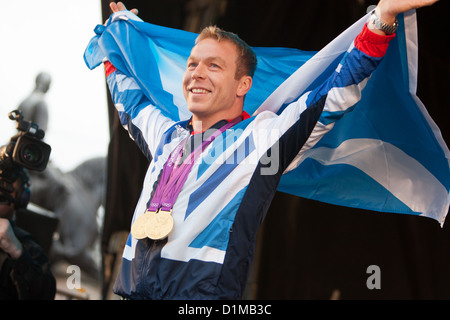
x: 199, y: 90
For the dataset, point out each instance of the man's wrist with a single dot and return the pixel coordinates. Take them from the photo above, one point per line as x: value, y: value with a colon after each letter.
x: 382, y: 23
x: 385, y: 16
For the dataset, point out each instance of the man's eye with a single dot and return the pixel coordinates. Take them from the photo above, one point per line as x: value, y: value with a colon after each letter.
x: 192, y: 65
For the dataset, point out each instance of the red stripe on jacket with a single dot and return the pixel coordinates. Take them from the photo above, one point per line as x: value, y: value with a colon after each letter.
x: 373, y: 44
x: 109, y: 68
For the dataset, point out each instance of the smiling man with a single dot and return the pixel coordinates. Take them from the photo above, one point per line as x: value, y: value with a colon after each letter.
x: 194, y: 226
x: 216, y: 82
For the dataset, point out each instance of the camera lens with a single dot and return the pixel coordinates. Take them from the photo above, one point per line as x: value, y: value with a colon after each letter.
x: 32, y: 154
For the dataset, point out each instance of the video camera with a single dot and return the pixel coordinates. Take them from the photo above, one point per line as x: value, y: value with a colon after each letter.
x: 24, y: 150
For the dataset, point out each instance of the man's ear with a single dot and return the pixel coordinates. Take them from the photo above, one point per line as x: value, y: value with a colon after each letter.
x: 245, y: 83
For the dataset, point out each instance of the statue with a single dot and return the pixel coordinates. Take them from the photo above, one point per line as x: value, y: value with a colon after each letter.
x: 75, y: 198
x: 34, y: 107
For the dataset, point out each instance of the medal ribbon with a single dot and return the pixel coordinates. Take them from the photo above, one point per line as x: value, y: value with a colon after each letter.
x: 174, y: 175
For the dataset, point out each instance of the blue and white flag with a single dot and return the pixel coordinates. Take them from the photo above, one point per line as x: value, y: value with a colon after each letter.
x: 386, y: 155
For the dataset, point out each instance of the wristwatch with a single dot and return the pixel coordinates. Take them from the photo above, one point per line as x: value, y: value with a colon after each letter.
x: 380, y: 25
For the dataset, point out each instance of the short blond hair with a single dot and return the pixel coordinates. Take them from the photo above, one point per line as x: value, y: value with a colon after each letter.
x: 246, y: 60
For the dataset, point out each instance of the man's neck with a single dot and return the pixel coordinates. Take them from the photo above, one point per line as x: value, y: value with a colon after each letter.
x: 200, y: 124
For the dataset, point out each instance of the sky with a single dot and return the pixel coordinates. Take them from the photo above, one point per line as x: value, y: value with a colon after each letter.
x: 50, y: 36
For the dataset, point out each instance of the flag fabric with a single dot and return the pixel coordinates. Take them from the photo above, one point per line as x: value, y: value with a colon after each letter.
x: 386, y: 155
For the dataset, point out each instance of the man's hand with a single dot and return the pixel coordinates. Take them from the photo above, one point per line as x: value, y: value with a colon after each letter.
x: 8, y: 240
x: 119, y: 6
x: 387, y: 10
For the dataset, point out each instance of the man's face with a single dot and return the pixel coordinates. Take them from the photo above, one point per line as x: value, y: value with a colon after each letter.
x: 209, y: 83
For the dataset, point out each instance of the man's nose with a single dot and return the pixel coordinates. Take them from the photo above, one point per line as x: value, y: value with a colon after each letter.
x: 199, y: 72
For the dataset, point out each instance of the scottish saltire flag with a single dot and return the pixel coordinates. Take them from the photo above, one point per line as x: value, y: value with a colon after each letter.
x: 386, y: 155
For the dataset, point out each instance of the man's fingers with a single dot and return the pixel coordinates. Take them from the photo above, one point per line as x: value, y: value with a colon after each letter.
x: 119, y: 6
x: 113, y: 6
x: 116, y: 7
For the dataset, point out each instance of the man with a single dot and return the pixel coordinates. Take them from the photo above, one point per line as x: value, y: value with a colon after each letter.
x: 209, y: 186
x: 24, y: 268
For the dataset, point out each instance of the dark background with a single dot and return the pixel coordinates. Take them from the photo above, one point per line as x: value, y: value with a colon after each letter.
x: 307, y: 249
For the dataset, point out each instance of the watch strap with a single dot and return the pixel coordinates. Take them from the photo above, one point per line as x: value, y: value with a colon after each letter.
x: 380, y: 25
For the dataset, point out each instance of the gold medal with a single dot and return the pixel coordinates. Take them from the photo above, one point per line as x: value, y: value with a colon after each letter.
x: 138, y: 227
x: 158, y: 225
